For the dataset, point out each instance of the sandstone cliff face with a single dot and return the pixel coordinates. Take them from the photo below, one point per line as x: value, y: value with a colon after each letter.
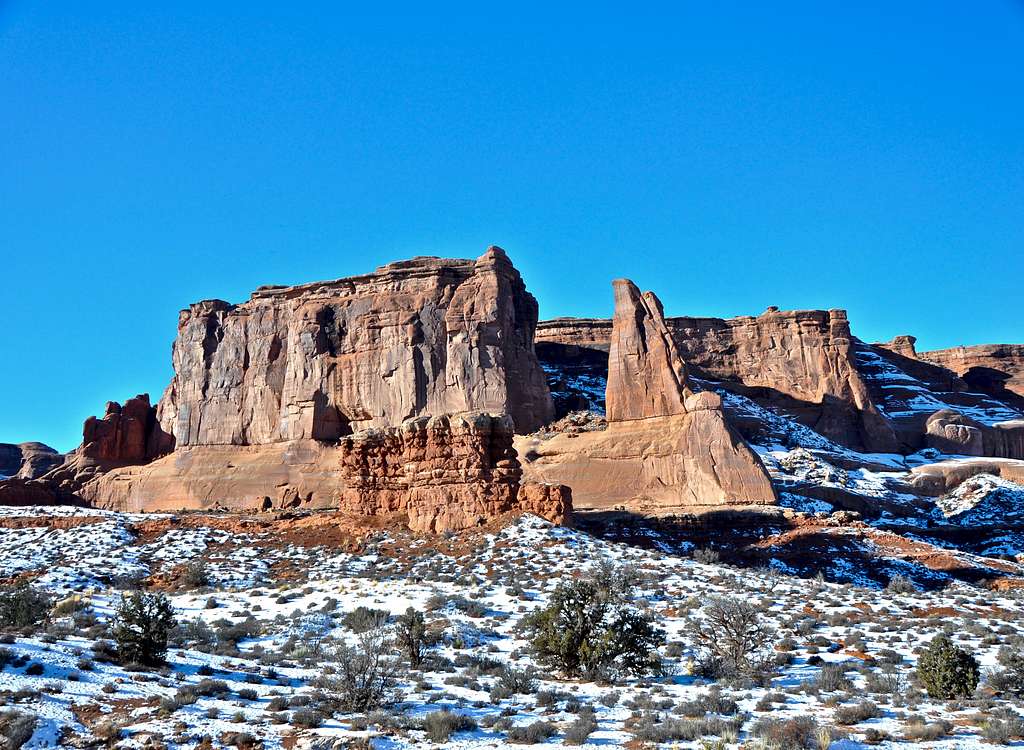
x: 799, y: 361
x: 28, y: 460
x: 956, y: 434
x: 319, y: 361
x: 666, y: 448
x: 443, y: 473
x: 996, y: 369
x: 364, y: 394
x: 646, y: 375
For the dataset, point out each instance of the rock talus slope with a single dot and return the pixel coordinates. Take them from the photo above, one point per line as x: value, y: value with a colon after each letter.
x: 666, y: 448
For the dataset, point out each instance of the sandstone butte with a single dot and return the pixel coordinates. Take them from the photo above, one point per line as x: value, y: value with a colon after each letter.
x: 396, y: 392
x: 666, y: 447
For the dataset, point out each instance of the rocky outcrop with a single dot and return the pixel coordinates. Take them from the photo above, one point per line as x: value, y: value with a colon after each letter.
x: 799, y: 362
x: 371, y: 395
x: 666, y: 448
x: 28, y: 460
x: 443, y: 473
x: 951, y: 432
x: 945, y: 476
x: 123, y: 436
x: 318, y: 361
x: 995, y: 369
x: 646, y: 375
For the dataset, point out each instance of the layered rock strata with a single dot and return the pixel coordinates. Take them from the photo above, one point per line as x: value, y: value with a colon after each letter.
x: 798, y: 361
x: 991, y: 368
x: 318, y: 361
x: 666, y: 448
x: 397, y: 392
x: 443, y: 473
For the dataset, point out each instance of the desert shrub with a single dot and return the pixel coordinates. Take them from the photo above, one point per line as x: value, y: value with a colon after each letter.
x: 918, y: 730
x: 531, y: 734
x: 787, y: 734
x: 440, y: 725
x: 141, y: 627
x: 706, y: 555
x: 1003, y: 731
x: 588, y: 631
x: 832, y: 677
x: 23, y: 606
x: 856, y: 713
x: 655, y: 729
x: 35, y: 669
x: 732, y: 636
x: 306, y: 718
x: 412, y: 636
x: 900, y: 584
x: 1010, y: 679
x: 582, y: 727
x: 363, y: 619
x: 195, y: 575
x: 512, y: 681
x: 16, y: 728
x: 364, y: 677
x: 195, y: 632
x: 946, y: 670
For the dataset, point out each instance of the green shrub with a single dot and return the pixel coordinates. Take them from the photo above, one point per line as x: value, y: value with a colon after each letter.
x: 412, y: 636
x: 587, y: 631
x: 141, y: 626
x: 22, y: 606
x: 946, y: 670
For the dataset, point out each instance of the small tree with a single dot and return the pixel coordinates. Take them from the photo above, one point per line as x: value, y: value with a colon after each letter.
x: 365, y: 676
x: 946, y: 670
x: 732, y: 634
x: 587, y: 630
x: 141, y: 626
x: 412, y: 635
x: 22, y: 606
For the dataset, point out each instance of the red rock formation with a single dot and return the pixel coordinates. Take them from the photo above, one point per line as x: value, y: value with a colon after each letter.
x: 362, y: 394
x: 990, y: 368
x: 444, y: 473
x: 646, y: 376
x: 28, y: 460
x: 800, y: 361
x: 954, y: 433
x: 666, y: 448
x: 317, y: 361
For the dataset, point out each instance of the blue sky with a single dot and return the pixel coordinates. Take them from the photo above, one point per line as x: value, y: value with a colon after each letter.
x: 729, y: 156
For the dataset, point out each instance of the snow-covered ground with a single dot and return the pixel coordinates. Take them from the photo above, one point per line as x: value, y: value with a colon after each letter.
x: 289, y: 602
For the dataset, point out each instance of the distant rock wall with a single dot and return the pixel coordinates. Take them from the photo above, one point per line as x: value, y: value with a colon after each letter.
x: 799, y: 361
x: 27, y: 460
x: 990, y: 368
x: 318, y: 361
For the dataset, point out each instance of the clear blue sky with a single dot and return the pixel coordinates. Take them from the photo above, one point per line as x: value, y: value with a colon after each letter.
x: 729, y: 156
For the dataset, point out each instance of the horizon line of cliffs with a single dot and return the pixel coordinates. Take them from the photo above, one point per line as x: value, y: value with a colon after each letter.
x: 413, y: 391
